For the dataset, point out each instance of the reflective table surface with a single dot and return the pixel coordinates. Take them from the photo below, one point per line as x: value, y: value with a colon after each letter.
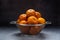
x: 13, y: 33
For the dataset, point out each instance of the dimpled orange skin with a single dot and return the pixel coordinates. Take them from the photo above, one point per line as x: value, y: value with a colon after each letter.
x: 38, y: 15
x: 32, y: 20
x: 30, y: 12
x: 41, y: 21
x: 22, y: 17
x: 24, y: 29
x: 34, y: 30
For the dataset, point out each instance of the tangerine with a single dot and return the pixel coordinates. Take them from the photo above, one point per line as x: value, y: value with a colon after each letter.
x: 30, y: 12
x: 32, y: 20
x: 22, y: 17
x: 23, y: 22
x: 38, y: 15
x: 41, y: 20
x: 23, y: 28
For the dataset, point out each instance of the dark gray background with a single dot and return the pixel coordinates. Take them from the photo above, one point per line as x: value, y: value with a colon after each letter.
x: 10, y: 9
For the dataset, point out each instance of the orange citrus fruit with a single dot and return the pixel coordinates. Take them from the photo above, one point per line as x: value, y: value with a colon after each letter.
x: 32, y: 20
x: 22, y: 17
x: 23, y: 22
x: 41, y: 20
x: 38, y: 15
x: 24, y: 29
x: 30, y: 12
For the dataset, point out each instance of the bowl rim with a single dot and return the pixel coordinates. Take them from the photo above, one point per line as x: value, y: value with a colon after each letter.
x: 30, y: 24
x: 15, y: 22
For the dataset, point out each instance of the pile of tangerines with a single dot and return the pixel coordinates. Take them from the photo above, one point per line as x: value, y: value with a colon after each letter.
x: 31, y: 17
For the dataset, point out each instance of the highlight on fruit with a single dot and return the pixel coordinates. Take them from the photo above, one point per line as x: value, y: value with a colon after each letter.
x: 31, y: 17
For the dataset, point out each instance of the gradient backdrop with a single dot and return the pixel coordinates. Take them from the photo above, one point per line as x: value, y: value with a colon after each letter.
x: 10, y: 10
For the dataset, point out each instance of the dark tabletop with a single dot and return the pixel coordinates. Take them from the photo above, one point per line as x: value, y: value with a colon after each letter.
x: 11, y: 33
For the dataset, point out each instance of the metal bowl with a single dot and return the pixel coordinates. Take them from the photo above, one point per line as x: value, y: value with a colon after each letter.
x: 30, y: 28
